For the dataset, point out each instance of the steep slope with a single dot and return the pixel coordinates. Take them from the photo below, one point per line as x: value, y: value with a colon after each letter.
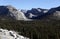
x: 5, y: 12
x: 11, y: 13
x: 36, y: 13
x: 54, y: 13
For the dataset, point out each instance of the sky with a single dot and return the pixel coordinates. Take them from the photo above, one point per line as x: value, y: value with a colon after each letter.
x: 28, y: 4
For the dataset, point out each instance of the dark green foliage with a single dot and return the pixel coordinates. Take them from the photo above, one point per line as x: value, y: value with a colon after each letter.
x: 34, y: 29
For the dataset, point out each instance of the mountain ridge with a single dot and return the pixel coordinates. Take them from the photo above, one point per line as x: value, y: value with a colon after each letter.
x: 10, y: 12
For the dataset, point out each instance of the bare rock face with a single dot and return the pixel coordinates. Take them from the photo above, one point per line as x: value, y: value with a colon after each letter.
x: 6, y: 34
x: 6, y: 12
x: 55, y: 13
x: 10, y: 12
x: 36, y: 13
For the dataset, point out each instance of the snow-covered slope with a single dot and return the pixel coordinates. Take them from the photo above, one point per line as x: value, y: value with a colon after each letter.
x: 5, y: 34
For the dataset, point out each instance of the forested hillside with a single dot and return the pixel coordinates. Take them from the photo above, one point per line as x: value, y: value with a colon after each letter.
x: 34, y: 29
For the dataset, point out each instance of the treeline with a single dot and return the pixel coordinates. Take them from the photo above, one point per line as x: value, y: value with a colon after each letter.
x: 34, y: 29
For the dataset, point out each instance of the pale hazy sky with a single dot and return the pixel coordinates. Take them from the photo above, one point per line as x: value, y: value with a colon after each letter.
x: 28, y: 4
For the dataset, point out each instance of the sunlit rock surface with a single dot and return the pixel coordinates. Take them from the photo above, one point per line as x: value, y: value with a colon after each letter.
x: 10, y: 12
x: 5, y: 34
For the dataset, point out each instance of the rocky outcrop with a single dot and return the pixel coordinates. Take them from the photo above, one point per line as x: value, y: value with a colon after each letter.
x: 8, y: 34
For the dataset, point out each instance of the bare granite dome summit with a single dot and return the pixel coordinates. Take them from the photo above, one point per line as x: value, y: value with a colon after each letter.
x: 9, y: 12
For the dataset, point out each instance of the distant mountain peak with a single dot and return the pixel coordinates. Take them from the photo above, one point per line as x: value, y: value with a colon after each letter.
x: 10, y: 12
